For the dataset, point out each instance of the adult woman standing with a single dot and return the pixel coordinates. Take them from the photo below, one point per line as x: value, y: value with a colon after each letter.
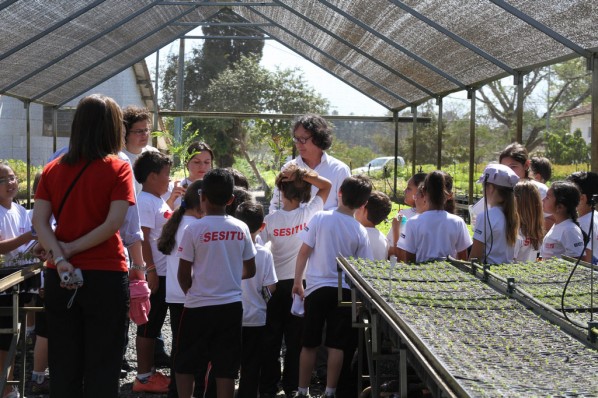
x: 200, y: 160
x: 312, y: 136
x: 88, y: 190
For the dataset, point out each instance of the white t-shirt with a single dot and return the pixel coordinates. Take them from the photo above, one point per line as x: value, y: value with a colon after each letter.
x: 435, y: 234
x: 584, y: 223
x: 378, y: 243
x: 133, y: 157
x: 330, y: 168
x: 564, y: 238
x: 14, y: 222
x: 497, y: 250
x: 524, y: 250
x: 254, y: 305
x: 407, y: 213
x: 153, y: 214
x: 331, y: 234
x: 174, y: 293
x: 281, y: 230
x: 478, y: 207
x: 217, y: 247
x: 401, y: 242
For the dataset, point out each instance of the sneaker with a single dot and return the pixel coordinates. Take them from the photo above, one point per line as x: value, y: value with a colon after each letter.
x: 14, y: 393
x: 41, y: 388
x: 156, y: 383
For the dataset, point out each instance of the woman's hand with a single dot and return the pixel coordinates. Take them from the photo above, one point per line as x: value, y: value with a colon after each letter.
x: 63, y: 267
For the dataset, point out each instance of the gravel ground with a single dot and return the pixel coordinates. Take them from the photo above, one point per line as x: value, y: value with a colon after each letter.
x: 126, y: 383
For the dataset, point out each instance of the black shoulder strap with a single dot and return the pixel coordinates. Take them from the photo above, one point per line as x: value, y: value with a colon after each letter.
x: 57, y: 215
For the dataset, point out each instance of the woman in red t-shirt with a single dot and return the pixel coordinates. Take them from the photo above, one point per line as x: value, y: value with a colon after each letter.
x: 88, y: 190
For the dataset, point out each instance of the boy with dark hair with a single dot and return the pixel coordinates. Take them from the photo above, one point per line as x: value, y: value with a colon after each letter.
x: 373, y: 213
x: 219, y: 250
x: 329, y: 234
x: 541, y: 169
x: 152, y: 170
x: 240, y: 179
x: 256, y: 291
x: 282, y: 229
x: 587, y: 182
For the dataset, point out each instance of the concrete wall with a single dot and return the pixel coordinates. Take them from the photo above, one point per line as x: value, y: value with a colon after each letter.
x: 582, y: 122
x: 13, y: 126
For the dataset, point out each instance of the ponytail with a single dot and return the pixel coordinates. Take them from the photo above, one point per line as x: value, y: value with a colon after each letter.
x: 568, y: 195
x: 434, y: 189
x: 167, y: 238
x: 191, y: 200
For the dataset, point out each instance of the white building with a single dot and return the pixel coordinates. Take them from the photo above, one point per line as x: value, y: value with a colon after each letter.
x: 130, y: 87
x: 581, y: 118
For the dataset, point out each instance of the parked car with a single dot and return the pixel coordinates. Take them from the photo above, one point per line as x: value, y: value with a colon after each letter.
x: 384, y: 164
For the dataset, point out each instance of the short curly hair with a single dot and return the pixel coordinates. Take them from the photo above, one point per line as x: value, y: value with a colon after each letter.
x: 133, y: 114
x: 321, y: 132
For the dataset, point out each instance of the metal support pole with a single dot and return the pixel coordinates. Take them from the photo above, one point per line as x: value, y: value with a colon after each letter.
x: 54, y: 129
x: 156, y: 90
x: 178, y: 122
x: 395, y: 119
x: 440, y: 131
x: 28, y: 140
x: 519, y: 110
x: 414, y: 149
x: 594, y: 120
x: 471, y: 96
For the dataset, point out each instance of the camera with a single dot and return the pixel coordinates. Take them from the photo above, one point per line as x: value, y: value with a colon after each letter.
x: 74, y: 278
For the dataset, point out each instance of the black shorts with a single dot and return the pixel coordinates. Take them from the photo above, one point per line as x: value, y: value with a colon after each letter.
x: 213, y: 334
x: 321, y: 308
x: 157, y: 314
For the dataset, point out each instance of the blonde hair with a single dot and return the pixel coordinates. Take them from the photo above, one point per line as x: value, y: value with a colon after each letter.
x: 531, y: 216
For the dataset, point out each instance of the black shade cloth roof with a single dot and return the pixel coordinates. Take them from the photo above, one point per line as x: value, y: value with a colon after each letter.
x: 399, y: 53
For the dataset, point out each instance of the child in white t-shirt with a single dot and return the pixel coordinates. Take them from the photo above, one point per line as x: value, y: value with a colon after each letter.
x: 495, y: 232
x: 152, y: 170
x: 531, y: 221
x: 398, y: 222
x: 216, y: 253
x: 281, y: 232
x: 255, y: 292
x: 373, y: 213
x: 565, y: 237
x: 329, y: 234
x: 587, y: 182
x: 189, y: 210
x: 436, y: 233
x: 15, y: 234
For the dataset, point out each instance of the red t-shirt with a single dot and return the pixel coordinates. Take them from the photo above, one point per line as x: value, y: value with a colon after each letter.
x: 86, y: 207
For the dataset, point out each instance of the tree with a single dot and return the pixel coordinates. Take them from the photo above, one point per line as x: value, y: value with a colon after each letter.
x: 565, y: 148
x: 209, y: 60
x: 569, y: 87
x: 248, y: 87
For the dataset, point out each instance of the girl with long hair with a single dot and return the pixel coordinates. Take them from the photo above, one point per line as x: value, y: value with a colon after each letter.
x: 436, y: 233
x: 566, y: 236
x: 531, y: 220
x: 495, y: 233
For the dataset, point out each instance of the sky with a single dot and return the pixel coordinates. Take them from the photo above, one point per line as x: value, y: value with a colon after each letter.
x: 343, y: 98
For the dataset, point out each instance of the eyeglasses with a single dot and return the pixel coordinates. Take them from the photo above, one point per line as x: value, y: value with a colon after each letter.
x: 140, y: 131
x: 301, y: 140
x: 9, y: 179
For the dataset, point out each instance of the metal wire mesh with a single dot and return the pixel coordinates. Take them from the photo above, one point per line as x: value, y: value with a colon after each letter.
x: 492, y: 345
